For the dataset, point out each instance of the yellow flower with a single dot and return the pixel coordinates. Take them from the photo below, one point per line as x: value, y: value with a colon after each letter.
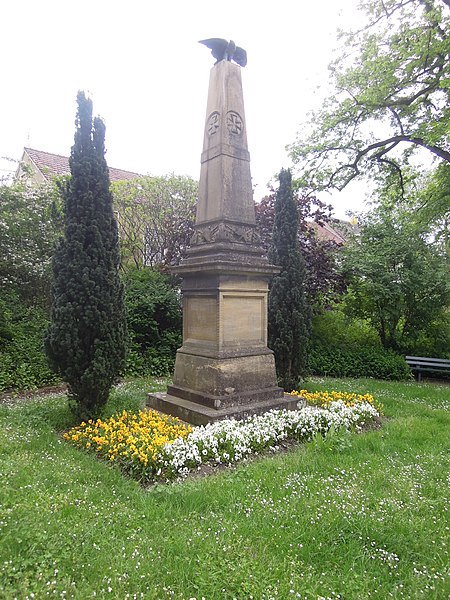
x: 323, y: 398
x: 130, y: 437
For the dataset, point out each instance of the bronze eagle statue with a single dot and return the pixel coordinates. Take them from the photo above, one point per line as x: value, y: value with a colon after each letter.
x: 224, y: 50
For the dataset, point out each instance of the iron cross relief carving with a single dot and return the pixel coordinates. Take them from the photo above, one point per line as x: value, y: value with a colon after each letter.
x: 213, y: 123
x: 235, y: 123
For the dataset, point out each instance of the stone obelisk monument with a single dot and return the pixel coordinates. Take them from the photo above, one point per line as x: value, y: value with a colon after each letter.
x: 224, y: 367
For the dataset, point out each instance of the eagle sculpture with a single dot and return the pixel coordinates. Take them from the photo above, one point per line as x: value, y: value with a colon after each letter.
x: 223, y: 50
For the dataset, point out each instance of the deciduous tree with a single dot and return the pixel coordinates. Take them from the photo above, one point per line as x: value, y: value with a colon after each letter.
x: 391, y: 96
x: 156, y: 217
x: 30, y: 223
x: 431, y: 206
x: 324, y: 278
x: 399, y: 281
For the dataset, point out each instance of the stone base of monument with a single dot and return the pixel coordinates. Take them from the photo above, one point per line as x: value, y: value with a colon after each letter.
x: 222, y: 384
x: 199, y: 414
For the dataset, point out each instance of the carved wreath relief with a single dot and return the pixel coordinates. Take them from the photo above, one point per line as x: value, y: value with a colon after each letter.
x: 224, y: 232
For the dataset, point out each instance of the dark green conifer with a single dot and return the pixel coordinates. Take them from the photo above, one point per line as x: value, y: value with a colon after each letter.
x: 86, y: 340
x: 289, y: 313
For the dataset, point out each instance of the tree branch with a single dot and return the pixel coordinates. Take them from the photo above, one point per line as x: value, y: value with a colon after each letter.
x: 398, y: 170
x: 385, y: 146
x: 444, y: 154
x: 398, y: 120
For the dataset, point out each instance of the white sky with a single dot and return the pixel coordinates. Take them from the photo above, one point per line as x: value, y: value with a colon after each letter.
x: 148, y: 77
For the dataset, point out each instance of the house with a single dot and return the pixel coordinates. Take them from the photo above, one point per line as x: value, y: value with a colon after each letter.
x: 337, y: 231
x: 39, y: 166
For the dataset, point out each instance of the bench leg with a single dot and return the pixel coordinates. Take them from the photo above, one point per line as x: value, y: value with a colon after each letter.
x: 419, y: 376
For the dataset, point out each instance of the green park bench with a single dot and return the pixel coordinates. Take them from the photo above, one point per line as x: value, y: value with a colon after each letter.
x: 421, y: 364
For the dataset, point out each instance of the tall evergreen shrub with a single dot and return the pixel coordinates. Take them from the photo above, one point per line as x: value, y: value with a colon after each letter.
x: 86, y: 340
x: 289, y: 312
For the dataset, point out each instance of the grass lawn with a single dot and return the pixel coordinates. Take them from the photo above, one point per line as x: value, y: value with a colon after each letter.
x: 349, y: 516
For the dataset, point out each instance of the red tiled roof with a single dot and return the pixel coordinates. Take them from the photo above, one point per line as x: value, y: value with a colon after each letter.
x: 327, y: 232
x: 54, y: 164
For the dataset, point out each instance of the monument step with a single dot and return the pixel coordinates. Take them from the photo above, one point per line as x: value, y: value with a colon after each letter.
x: 198, y: 414
x: 229, y: 400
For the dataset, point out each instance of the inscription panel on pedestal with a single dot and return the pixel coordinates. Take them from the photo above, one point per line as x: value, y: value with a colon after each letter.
x: 243, y: 321
x: 200, y: 319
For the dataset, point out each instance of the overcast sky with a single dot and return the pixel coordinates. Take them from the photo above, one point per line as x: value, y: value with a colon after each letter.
x: 148, y: 77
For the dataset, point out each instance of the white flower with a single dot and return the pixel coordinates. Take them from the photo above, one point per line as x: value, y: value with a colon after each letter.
x: 243, y: 438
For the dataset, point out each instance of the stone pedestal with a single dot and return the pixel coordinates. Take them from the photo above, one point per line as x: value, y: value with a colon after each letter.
x: 224, y: 368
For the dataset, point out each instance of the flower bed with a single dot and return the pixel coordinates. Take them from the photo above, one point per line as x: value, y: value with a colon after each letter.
x: 325, y: 398
x: 134, y: 441
x: 229, y: 441
x: 151, y: 446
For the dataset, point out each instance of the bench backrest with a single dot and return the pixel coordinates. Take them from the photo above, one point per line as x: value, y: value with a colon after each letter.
x: 423, y: 361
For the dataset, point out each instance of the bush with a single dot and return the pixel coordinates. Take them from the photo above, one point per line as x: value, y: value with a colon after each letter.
x: 435, y: 341
x: 23, y: 365
x: 357, y: 361
x: 334, y: 328
x: 348, y: 347
x: 154, y: 322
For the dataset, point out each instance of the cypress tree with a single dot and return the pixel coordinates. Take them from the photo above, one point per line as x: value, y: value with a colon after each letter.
x: 289, y: 313
x: 86, y: 339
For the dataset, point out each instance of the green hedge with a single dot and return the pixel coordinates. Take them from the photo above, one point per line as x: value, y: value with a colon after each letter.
x: 23, y: 364
x: 357, y: 361
x: 335, y: 328
x: 154, y: 325
x: 154, y: 322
